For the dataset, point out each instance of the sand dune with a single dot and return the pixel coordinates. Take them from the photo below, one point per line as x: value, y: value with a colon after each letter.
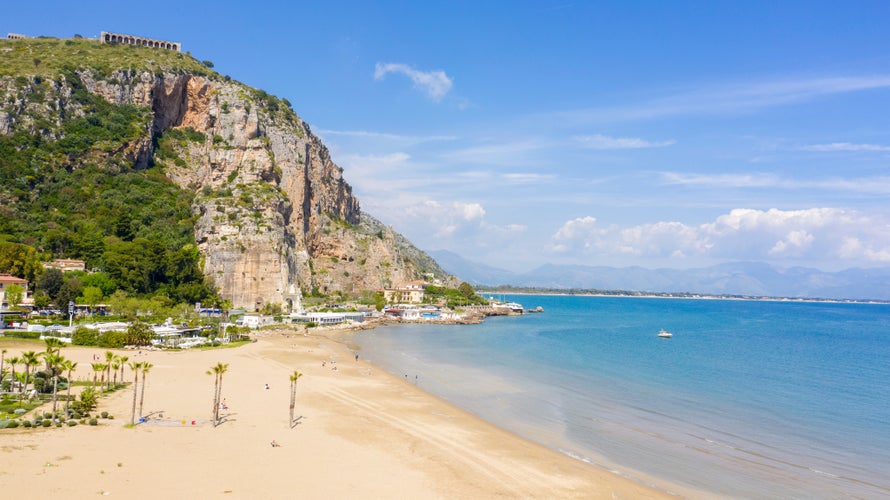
x: 362, y: 433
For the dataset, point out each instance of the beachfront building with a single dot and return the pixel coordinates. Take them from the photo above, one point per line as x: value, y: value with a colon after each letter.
x: 412, y: 293
x: 7, y: 280
x: 328, y: 318
x: 254, y: 321
x: 66, y: 265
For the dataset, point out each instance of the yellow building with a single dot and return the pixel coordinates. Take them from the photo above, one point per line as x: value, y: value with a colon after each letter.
x: 412, y: 293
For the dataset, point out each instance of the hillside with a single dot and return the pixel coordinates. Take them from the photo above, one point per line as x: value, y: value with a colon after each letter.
x: 117, y: 154
x: 739, y: 278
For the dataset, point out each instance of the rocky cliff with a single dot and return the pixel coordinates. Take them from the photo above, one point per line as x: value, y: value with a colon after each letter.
x: 274, y: 216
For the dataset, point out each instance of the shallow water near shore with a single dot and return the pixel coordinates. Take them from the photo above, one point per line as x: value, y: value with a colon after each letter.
x: 748, y: 399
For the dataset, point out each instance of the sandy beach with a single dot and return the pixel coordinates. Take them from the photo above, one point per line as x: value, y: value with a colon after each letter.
x: 362, y: 433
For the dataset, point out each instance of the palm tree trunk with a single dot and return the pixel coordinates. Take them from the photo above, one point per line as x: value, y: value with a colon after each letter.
x: 215, y: 412
x: 142, y: 396
x: 27, y: 379
x: 55, y: 390
x: 135, y: 386
x: 293, y: 397
x: 68, y: 395
x: 218, y: 398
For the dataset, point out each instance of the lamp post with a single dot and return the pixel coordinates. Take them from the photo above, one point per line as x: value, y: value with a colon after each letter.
x: 70, y: 313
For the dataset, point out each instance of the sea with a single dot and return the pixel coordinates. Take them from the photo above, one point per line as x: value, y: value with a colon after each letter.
x: 748, y: 399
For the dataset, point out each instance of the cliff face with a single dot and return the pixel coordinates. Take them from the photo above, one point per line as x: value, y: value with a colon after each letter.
x: 274, y: 214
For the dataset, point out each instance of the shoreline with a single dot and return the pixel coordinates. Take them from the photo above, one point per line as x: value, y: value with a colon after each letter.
x: 362, y: 431
x: 700, y: 296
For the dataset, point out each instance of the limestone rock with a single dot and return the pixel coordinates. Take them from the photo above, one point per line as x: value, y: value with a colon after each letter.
x: 275, y: 215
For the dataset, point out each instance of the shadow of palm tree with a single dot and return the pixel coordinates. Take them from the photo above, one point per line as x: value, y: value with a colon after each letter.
x: 297, y: 421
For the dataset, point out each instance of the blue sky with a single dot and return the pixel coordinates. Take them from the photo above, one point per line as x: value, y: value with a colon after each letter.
x: 659, y: 134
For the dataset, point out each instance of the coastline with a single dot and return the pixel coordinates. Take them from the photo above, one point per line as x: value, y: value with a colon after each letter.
x: 362, y: 431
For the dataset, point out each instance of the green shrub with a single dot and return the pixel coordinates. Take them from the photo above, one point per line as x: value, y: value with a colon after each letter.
x: 93, y: 421
x: 47, y: 414
x: 72, y: 423
x: 27, y: 423
x: 12, y: 424
x: 104, y: 414
x: 46, y: 423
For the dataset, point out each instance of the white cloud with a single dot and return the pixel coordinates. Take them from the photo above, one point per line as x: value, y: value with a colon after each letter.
x: 470, y: 211
x: 523, y: 178
x: 365, y: 134
x: 870, y: 185
x: 722, y: 180
x: 817, y: 234
x: 599, y: 141
x: 435, y: 83
x: 729, y: 99
x: 844, y: 146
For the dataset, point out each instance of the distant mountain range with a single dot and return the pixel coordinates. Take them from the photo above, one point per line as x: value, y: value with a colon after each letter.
x: 739, y: 278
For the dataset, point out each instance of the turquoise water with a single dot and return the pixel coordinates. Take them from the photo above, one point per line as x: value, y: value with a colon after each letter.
x: 748, y: 399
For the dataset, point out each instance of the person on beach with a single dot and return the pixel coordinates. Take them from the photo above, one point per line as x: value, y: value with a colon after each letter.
x: 267, y: 387
x: 275, y: 444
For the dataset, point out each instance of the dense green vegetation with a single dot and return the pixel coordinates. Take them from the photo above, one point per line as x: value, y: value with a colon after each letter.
x: 463, y: 295
x: 70, y: 186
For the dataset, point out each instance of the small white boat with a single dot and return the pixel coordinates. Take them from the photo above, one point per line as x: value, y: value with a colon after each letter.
x: 665, y: 334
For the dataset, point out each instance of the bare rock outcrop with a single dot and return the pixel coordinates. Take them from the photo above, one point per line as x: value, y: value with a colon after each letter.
x: 275, y: 216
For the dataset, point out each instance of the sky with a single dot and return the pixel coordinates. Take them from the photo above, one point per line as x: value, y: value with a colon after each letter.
x: 640, y: 133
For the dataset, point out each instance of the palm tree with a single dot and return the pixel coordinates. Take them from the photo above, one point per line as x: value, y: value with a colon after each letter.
x: 109, y: 357
x: 135, y: 366
x: 69, y: 367
x: 146, y: 367
x: 29, y: 359
x: 2, y: 362
x: 123, y: 359
x: 12, y: 362
x: 293, y: 394
x: 217, y: 371
x: 97, y: 367
x: 103, y: 367
x: 55, y: 362
x: 53, y: 345
x: 114, y: 366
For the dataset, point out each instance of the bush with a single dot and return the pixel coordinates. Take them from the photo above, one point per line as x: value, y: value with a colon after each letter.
x: 72, y: 423
x: 59, y: 423
x: 104, y: 414
x: 93, y: 421
x: 46, y: 423
x: 84, y: 336
x: 12, y: 424
x: 20, y: 411
x: 27, y: 423
x: 47, y: 414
